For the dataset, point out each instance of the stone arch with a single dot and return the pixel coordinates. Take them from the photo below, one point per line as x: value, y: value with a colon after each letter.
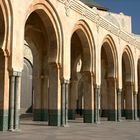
x: 83, y: 49
x: 112, y: 56
x: 43, y: 35
x: 127, y: 83
x: 7, y: 17
x: 109, y: 67
x: 5, y: 41
x: 127, y: 57
x: 44, y: 7
x: 82, y: 29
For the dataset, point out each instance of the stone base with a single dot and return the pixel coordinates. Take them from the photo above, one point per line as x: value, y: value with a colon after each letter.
x: 129, y: 114
x: 80, y: 111
x: 104, y: 113
x: 40, y: 115
x: 71, y: 114
x: 138, y: 113
x: 54, y: 118
x: 88, y: 116
x: 3, y: 120
x: 112, y: 115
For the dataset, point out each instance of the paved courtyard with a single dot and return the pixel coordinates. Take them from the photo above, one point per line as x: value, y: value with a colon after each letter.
x: 126, y: 130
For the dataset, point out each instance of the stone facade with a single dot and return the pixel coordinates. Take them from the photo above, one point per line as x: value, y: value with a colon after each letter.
x: 71, y: 59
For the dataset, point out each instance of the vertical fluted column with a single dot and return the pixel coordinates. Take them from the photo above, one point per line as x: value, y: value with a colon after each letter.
x: 97, y: 104
x: 17, y: 102
x: 119, y: 93
x: 11, y: 103
x: 135, y: 105
x: 64, y: 102
x: 14, y: 100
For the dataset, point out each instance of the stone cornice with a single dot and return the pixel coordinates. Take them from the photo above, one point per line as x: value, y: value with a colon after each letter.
x: 92, y: 15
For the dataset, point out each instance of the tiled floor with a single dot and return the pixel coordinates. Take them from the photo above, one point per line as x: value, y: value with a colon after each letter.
x: 125, y: 130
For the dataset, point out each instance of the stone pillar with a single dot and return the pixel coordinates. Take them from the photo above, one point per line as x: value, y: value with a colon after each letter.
x: 14, y: 101
x: 54, y: 111
x: 119, y: 102
x: 112, y: 99
x: 135, y: 105
x: 4, y: 92
x: 11, y: 102
x: 129, y: 104
x: 88, y: 98
x: 97, y: 103
x: 138, y: 103
x: 64, y: 102
x: 17, y: 101
x: 72, y: 99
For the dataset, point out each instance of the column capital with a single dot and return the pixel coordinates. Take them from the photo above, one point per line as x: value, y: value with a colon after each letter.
x: 119, y: 91
x: 15, y: 73
x: 97, y: 86
x: 135, y: 92
x: 65, y: 81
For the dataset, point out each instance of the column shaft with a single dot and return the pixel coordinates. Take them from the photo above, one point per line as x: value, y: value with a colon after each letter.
x: 119, y: 104
x: 11, y: 103
x: 97, y: 104
x: 17, y: 102
x: 135, y: 105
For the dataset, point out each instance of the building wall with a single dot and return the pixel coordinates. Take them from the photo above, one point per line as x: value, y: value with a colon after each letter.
x: 48, y: 27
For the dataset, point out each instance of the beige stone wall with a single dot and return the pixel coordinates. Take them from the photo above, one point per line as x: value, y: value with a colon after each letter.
x: 119, y: 19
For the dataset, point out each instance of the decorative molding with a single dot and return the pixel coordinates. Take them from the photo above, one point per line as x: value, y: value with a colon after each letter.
x: 67, y: 6
x: 92, y: 15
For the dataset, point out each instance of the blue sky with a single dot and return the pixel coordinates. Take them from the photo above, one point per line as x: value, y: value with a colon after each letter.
x: 128, y: 7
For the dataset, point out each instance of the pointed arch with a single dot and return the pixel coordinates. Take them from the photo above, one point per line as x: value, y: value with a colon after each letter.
x: 8, y: 15
x: 109, y: 46
x: 128, y: 60
x: 82, y: 29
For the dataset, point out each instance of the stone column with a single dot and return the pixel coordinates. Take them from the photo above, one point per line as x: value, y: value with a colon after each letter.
x: 11, y: 102
x: 119, y: 94
x: 138, y: 103
x: 88, y: 98
x: 72, y: 99
x: 14, y: 101
x: 97, y: 103
x: 64, y: 102
x: 17, y: 101
x: 135, y: 105
x: 112, y: 99
x: 129, y: 102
